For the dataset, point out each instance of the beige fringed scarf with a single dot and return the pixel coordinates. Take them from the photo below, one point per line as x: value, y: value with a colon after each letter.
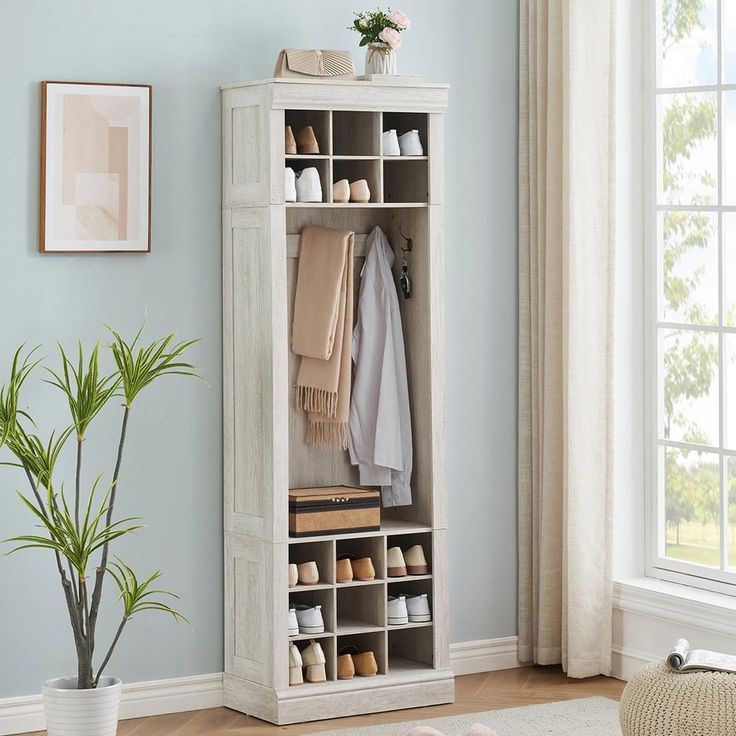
x: 322, y: 332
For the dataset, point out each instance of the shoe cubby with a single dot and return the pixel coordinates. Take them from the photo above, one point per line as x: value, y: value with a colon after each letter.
x: 324, y: 598
x: 299, y: 163
x: 372, y: 547
x: 352, y: 170
x: 328, y: 647
x: 320, y: 122
x: 356, y: 133
x: 320, y: 552
x: 406, y: 541
x: 402, y: 122
x: 360, y: 609
x: 410, y: 648
x: 405, y: 180
x: 371, y: 642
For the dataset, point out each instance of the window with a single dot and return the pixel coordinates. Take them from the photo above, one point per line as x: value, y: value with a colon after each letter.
x: 692, y: 292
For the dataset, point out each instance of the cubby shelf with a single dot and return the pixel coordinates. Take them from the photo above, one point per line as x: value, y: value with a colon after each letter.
x: 265, y: 453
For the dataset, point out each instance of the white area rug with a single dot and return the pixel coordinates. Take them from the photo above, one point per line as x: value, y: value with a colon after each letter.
x: 585, y: 717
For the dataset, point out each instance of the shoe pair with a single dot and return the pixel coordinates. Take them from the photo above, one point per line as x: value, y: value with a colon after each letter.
x: 408, y: 144
x: 412, y: 562
x: 305, y: 141
x: 357, y: 191
x: 349, y: 567
x: 309, y: 664
x: 407, y: 608
x: 302, y: 186
x: 306, y: 573
x: 305, y: 620
x: 351, y: 661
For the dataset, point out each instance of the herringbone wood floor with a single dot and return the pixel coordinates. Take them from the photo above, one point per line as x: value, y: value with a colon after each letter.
x: 474, y: 693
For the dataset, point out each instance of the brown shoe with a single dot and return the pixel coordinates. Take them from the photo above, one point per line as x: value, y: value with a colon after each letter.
x: 345, y: 664
x: 289, y: 142
x: 306, y: 141
x: 365, y: 664
x: 344, y: 570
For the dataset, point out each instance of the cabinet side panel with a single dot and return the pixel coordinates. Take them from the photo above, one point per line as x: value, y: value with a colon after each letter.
x: 249, y: 599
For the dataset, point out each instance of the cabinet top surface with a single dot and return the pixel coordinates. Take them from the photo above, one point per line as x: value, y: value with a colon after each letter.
x: 358, y: 83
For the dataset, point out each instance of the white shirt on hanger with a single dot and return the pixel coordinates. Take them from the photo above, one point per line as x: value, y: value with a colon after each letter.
x: 380, y: 420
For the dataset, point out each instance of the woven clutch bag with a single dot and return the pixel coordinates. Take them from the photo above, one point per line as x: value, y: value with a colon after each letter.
x: 314, y: 63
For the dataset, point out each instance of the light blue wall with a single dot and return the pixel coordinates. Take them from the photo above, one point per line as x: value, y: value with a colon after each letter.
x: 185, y: 49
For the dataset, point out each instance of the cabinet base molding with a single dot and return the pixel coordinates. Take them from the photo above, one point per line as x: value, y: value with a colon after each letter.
x: 340, y: 699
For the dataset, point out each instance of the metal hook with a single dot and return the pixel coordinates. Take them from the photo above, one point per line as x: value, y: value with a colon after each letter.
x: 409, y: 242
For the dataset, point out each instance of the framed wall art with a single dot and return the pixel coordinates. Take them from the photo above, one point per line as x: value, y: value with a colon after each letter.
x: 95, y: 168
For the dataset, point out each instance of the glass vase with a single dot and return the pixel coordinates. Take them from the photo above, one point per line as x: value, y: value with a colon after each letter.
x: 380, y: 58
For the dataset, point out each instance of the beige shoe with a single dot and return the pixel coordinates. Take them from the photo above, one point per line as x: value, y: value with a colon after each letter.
x: 293, y: 575
x: 365, y: 664
x: 341, y: 191
x: 416, y: 562
x: 345, y: 664
x: 314, y: 660
x: 306, y: 141
x: 344, y: 570
x: 295, y: 666
x: 359, y: 191
x: 289, y: 142
x: 308, y: 573
x: 396, y: 566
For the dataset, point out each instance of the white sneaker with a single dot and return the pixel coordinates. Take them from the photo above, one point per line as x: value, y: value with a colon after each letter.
x: 417, y: 606
x: 308, y: 186
x: 289, y: 185
x: 293, y: 623
x: 310, y: 619
x: 397, y: 613
x: 390, y: 143
x: 295, y: 665
x: 410, y: 145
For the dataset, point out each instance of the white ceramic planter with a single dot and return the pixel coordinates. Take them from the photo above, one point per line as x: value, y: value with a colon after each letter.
x: 72, y: 712
x: 380, y: 59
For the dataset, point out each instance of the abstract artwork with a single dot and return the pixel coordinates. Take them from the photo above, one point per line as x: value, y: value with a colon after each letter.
x: 95, y: 168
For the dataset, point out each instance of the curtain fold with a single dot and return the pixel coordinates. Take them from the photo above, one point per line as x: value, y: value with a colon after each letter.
x: 566, y: 267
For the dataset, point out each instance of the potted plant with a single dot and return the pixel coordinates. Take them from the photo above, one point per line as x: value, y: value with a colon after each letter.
x: 77, y: 528
x: 380, y: 32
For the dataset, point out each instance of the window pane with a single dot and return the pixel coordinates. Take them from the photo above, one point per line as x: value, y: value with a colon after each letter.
x: 688, y: 42
x: 689, y: 267
x: 692, y: 506
x: 729, y: 400
x: 729, y: 148
x: 729, y: 269
x: 688, y: 151
x: 728, y: 34
x: 690, y: 395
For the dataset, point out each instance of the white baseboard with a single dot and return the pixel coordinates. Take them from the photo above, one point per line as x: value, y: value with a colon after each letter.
x: 140, y: 699
x: 487, y: 655
x: 20, y: 715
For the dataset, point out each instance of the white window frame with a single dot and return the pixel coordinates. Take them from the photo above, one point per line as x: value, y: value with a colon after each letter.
x: 657, y: 565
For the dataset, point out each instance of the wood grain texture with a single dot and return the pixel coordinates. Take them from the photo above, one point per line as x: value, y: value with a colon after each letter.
x: 473, y: 694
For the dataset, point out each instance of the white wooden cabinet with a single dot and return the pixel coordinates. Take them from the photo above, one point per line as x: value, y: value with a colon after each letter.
x: 264, y: 449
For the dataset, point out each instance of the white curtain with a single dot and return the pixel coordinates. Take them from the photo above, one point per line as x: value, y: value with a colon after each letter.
x: 566, y: 241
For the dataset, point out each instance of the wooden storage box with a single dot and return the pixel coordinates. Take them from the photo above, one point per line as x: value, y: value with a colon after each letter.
x: 332, y: 510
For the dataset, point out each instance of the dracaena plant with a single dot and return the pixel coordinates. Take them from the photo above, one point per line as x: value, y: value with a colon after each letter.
x: 77, y: 528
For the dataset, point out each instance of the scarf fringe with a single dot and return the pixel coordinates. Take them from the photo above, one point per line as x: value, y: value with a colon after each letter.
x: 327, y: 434
x: 317, y: 400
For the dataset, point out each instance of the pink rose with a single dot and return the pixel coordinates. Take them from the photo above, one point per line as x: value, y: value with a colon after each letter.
x: 391, y: 37
x: 400, y: 19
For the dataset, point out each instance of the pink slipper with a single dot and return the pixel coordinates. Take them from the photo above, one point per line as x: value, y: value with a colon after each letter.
x: 424, y: 731
x: 478, y: 729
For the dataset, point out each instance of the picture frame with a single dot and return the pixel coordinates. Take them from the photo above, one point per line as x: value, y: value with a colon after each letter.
x: 95, y: 167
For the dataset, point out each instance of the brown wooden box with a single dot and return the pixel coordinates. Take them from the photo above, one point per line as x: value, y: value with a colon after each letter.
x: 332, y: 510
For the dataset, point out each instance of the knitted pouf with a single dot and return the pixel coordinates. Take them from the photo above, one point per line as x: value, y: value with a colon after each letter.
x: 659, y: 702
